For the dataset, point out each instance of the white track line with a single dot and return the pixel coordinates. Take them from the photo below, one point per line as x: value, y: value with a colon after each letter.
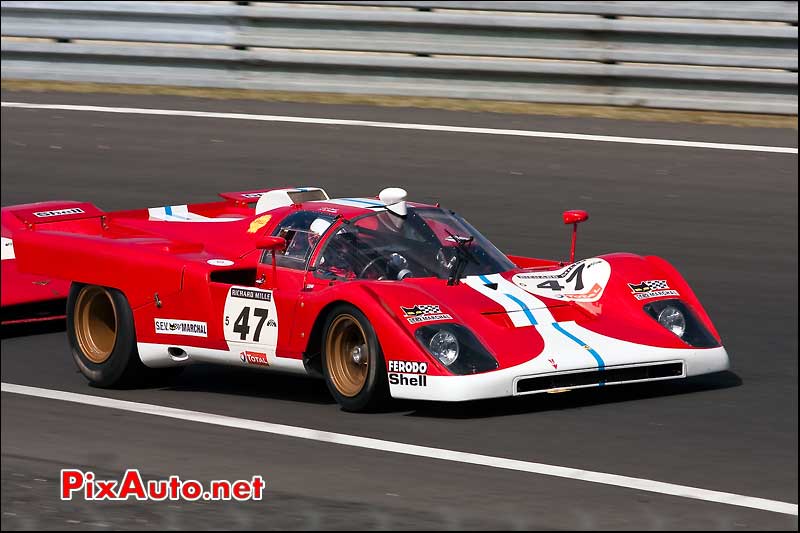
x: 403, y: 126
x: 410, y: 449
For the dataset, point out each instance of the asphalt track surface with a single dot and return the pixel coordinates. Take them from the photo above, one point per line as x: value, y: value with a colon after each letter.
x: 726, y: 219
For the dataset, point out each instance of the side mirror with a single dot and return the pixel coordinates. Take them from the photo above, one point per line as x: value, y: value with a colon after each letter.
x: 273, y: 244
x: 574, y: 217
x: 268, y: 242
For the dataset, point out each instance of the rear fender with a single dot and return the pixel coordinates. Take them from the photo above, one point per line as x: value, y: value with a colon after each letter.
x: 96, y: 260
x: 27, y: 297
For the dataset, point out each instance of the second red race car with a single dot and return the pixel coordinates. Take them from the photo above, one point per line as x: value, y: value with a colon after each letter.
x: 380, y: 296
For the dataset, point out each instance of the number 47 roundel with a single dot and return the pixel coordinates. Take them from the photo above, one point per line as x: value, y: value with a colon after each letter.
x: 582, y: 281
x: 250, y: 318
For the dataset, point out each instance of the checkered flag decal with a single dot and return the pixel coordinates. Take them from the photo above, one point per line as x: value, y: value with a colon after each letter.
x: 429, y: 309
x: 657, y: 284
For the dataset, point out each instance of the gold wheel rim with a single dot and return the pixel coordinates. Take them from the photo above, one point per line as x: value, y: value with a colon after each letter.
x: 347, y: 355
x: 95, y: 323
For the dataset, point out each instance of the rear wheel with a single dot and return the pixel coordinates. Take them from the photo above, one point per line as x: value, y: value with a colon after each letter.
x: 353, y: 363
x: 102, y: 336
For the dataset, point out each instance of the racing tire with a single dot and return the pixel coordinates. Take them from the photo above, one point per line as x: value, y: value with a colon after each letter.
x: 102, y: 336
x: 352, y: 361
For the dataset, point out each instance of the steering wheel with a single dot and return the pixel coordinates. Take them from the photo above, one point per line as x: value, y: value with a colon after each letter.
x: 370, y: 265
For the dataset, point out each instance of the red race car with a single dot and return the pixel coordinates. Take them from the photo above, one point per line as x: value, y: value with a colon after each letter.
x: 381, y: 297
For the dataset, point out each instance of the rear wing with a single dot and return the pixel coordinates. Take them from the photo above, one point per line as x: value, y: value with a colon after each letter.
x: 32, y: 215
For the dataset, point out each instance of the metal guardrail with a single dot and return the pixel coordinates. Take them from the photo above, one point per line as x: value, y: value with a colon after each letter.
x: 654, y: 54
x: 725, y: 9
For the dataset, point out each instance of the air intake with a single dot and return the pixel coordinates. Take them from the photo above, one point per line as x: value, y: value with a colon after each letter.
x: 607, y: 376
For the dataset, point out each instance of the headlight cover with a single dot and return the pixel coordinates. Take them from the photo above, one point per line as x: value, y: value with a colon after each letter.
x: 671, y: 318
x: 444, y: 347
x: 676, y: 317
x: 458, y: 345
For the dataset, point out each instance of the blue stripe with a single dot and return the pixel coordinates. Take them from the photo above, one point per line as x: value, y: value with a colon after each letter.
x: 524, y: 308
x: 368, y: 202
x: 600, y: 363
x: 486, y: 280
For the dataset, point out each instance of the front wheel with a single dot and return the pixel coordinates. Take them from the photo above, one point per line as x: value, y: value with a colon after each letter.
x: 102, y: 336
x: 353, y: 364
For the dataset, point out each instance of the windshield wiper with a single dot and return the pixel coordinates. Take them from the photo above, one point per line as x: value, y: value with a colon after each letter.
x: 463, y: 256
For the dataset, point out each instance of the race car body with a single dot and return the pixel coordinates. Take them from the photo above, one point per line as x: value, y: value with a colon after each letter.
x: 379, y: 296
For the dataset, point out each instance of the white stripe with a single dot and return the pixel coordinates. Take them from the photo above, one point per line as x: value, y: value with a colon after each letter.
x: 410, y: 449
x: 181, y: 213
x: 537, y: 307
x: 404, y: 126
x: 555, y: 342
x: 513, y: 310
x: 158, y: 356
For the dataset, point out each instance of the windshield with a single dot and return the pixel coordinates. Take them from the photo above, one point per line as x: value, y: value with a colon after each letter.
x: 428, y: 242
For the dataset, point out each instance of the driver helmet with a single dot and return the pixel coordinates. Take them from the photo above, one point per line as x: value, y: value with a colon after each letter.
x: 317, y: 228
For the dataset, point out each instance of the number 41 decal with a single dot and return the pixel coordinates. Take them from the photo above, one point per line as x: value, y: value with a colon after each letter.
x: 554, y: 285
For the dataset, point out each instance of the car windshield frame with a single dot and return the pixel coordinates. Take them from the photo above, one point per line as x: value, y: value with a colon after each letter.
x: 426, y: 243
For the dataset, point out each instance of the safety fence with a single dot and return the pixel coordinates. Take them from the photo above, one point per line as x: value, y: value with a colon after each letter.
x: 722, y: 56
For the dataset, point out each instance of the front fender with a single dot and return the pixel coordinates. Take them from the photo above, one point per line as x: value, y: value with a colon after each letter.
x: 620, y: 312
x: 396, y: 339
x: 686, y: 291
